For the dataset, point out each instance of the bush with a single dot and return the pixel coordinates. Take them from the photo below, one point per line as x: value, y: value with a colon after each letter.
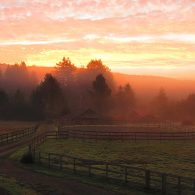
x: 27, y: 158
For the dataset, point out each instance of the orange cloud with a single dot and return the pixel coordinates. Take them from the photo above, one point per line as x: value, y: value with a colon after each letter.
x: 157, y: 36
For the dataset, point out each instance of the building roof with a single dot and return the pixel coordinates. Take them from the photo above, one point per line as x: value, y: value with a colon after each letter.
x: 88, y: 114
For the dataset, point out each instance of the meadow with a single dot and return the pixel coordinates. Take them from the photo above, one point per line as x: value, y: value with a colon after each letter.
x: 157, y: 127
x: 176, y: 157
x: 171, y: 157
x: 10, y: 126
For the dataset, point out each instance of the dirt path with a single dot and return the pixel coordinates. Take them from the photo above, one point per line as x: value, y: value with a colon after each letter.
x: 42, y: 183
x: 49, y: 185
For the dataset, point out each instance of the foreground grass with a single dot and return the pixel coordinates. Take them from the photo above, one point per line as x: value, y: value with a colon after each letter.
x: 131, y: 128
x: 168, y: 156
x: 14, y: 187
x: 103, y: 183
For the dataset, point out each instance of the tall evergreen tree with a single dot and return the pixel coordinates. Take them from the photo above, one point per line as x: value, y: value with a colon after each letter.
x: 4, y: 104
x: 65, y: 72
x: 101, y: 94
x: 48, y: 98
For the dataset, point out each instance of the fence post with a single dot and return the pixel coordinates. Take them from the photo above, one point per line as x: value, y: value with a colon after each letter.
x: 96, y: 136
x: 39, y: 157
x: 12, y: 138
x: 61, y: 167
x: 147, y: 179
x: 30, y: 148
x: 106, y: 170
x: 126, y: 175
x: 179, y: 185
x: 164, y: 183
x: 74, y: 165
x: 135, y: 137
x: 83, y: 136
x: 89, y: 169
x: 49, y: 163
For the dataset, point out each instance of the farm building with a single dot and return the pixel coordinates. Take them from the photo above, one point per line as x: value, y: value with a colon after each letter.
x: 88, y: 117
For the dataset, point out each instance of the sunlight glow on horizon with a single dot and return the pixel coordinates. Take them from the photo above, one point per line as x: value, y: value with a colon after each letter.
x: 135, y: 37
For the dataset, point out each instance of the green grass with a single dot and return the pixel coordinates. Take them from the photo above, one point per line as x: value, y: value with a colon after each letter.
x: 82, y: 178
x: 130, y: 128
x: 6, y: 126
x: 94, y: 181
x: 168, y: 156
x: 14, y: 187
x: 16, y: 156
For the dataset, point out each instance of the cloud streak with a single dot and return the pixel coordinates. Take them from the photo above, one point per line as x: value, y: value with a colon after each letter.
x: 186, y: 38
x: 136, y: 33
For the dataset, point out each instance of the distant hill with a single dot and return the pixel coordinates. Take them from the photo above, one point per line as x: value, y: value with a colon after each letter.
x: 145, y: 86
x: 41, y: 71
x: 150, y: 85
x: 3, y: 67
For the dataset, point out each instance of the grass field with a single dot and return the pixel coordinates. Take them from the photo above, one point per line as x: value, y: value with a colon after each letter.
x: 69, y: 175
x: 7, y: 126
x: 132, y: 127
x: 15, y: 187
x: 176, y: 157
x: 171, y: 157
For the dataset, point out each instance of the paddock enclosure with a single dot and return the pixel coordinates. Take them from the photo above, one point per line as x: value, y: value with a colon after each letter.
x: 135, y: 132
x: 154, y: 157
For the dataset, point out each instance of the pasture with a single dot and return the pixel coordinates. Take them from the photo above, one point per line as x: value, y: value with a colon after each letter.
x: 124, y: 160
x: 10, y: 126
x: 175, y: 157
x: 157, y: 127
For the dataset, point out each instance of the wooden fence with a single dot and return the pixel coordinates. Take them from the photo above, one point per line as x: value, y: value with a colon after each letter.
x: 15, y: 136
x: 122, y: 135
x: 37, y: 141
x: 132, y: 176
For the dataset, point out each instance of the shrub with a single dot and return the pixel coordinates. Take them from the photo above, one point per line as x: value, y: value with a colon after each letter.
x: 27, y: 158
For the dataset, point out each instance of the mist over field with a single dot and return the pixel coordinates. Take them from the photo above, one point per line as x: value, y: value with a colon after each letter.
x: 119, y: 97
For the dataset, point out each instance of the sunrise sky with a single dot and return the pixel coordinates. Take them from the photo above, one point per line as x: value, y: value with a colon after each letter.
x: 155, y: 37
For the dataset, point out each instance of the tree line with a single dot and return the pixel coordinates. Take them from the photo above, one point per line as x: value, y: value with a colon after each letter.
x: 70, y: 90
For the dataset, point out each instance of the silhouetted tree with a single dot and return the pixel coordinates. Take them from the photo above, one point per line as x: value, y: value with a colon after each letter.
x: 101, y: 93
x: 4, y: 104
x: 96, y: 67
x: 3, y: 98
x: 187, y: 108
x: 65, y: 72
x: 125, y: 102
x: 18, y: 77
x: 161, y: 105
x: 190, y: 104
x: 129, y: 97
x: 19, y: 107
x: 100, y: 87
x: 48, y: 98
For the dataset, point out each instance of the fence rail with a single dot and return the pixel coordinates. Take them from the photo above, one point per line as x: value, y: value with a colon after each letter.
x: 15, y: 136
x: 133, y: 176
x: 122, y: 135
x: 37, y: 141
x: 136, y: 177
